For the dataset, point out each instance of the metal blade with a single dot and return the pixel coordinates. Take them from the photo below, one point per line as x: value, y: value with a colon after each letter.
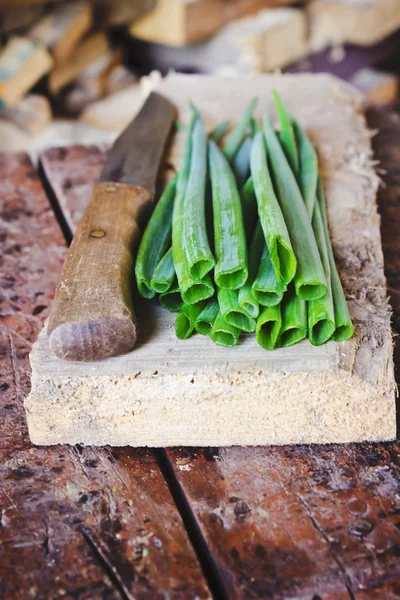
x: 135, y: 156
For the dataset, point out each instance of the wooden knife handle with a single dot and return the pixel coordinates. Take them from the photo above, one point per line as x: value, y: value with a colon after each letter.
x: 92, y: 316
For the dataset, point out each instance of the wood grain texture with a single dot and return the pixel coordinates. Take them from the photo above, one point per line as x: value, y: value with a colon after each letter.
x: 387, y: 149
x: 298, y: 522
x: 247, y: 395
x: 78, y: 168
x: 92, y: 316
x: 78, y: 523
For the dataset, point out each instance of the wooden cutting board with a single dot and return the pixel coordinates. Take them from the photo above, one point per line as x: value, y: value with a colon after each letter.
x: 168, y: 392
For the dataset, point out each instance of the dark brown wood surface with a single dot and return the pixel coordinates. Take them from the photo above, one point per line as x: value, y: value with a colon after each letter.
x: 75, y: 522
x: 305, y: 522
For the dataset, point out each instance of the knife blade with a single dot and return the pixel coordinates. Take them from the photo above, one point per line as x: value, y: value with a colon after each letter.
x: 92, y: 315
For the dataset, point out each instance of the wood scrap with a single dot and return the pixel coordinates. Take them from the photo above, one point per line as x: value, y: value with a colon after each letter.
x: 180, y: 22
x: 62, y: 28
x: 271, y: 39
x: 87, y: 53
x: 118, y: 78
x: 115, y: 111
x: 378, y: 87
x: 32, y: 113
x: 22, y: 63
x: 364, y: 22
x: 90, y: 85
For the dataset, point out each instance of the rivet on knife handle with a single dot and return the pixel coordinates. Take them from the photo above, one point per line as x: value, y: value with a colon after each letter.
x: 92, y: 315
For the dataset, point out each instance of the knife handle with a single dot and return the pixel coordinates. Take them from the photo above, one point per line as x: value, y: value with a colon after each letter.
x: 92, y: 315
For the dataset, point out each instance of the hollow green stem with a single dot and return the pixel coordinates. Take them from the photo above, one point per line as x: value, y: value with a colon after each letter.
x: 224, y: 334
x: 268, y: 327
x: 206, y: 318
x: 241, y: 162
x: 321, y: 314
x: 155, y: 241
x: 186, y: 319
x: 192, y: 291
x: 219, y: 131
x: 266, y: 288
x: 247, y: 300
x: 164, y: 274
x: 196, y: 248
x: 171, y: 300
x: 275, y: 231
x: 232, y: 312
x: 249, y: 207
x: 229, y: 234
x: 310, y: 281
x: 287, y: 134
x: 343, y: 325
x: 294, y: 319
x: 238, y: 134
x: 308, y: 168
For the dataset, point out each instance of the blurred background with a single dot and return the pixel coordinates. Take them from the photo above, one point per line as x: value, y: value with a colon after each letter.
x: 79, y: 71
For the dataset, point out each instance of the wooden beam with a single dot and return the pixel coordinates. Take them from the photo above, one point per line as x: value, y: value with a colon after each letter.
x: 178, y: 22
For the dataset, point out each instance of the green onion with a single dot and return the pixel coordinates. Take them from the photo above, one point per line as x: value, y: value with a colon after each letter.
x: 266, y: 288
x: 164, y: 274
x: 343, y: 326
x: 229, y: 235
x: 224, y: 334
x: 155, y: 241
x: 195, y: 241
x: 238, y: 134
x: 294, y: 319
x: 241, y: 162
x: 206, y: 318
x: 308, y: 168
x: 232, y: 312
x: 254, y: 126
x: 249, y: 207
x: 272, y: 221
x: 247, y: 301
x: 310, y: 281
x: 268, y: 327
x: 321, y: 314
x: 287, y: 134
x: 219, y: 131
x: 186, y: 319
x: 192, y: 291
x: 172, y: 299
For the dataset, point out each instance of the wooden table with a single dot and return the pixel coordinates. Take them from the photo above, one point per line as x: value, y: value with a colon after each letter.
x: 305, y: 522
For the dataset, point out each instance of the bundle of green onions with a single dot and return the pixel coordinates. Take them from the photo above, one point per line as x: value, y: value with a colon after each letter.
x: 239, y: 240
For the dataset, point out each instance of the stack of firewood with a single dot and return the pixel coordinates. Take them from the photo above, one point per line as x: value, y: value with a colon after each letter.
x: 63, y: 52
x: 67, y: 56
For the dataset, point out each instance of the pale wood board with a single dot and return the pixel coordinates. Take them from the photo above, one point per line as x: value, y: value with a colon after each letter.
x: 168, y: 392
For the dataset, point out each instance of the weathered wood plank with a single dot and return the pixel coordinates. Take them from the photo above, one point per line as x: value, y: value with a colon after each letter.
x: 83, y: 523
x: 353, y: 382
x: 297, y: 522
x: 72, y: 187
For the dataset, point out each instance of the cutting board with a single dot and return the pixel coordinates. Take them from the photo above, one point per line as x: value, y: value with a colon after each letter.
x: 169, y: 392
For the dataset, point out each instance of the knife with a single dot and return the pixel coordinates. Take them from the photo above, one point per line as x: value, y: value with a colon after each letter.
x: 92, y: 315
